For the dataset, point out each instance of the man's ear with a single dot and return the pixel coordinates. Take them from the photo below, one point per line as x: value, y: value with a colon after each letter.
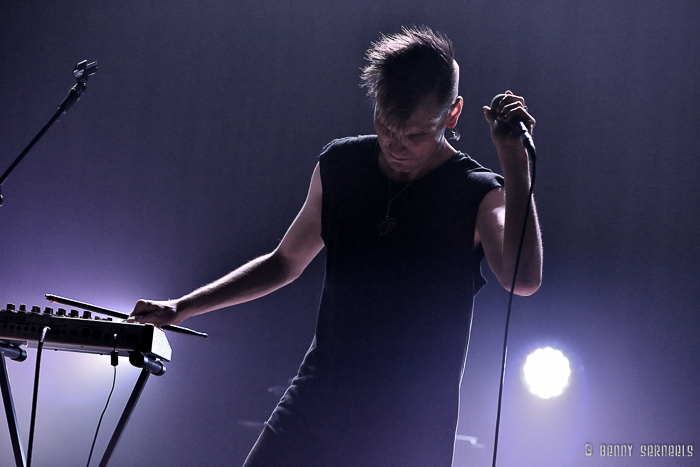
x: 455, y: 111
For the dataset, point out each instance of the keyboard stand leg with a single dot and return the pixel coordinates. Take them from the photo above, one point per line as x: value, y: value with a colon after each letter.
x: 130, y: 405
x: 20, y: 460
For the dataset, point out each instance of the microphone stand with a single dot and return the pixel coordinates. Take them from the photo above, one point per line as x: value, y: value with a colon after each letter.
x: 82, y: 71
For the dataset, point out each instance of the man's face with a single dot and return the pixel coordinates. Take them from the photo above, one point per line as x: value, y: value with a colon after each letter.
x: 408, y: 152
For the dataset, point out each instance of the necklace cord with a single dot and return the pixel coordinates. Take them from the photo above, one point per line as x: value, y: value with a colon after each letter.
x: 388, y: 224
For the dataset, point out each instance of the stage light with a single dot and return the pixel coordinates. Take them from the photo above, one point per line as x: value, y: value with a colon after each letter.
x: 546, y: 373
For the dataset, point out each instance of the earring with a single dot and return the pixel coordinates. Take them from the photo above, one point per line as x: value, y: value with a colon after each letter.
x: 455, y: 134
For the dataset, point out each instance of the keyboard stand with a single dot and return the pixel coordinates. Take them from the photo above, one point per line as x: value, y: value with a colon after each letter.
x: 137, y: 359
x: 15, y: 353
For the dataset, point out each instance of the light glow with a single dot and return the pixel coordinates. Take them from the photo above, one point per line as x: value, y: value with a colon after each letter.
x: 546, y: 373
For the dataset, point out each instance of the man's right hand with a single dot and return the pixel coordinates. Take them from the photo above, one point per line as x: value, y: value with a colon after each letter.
x: 159, y: 313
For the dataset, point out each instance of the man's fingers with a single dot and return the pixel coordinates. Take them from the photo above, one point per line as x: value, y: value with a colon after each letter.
x: 509, y: 99
x: 140, y: 308
x: 146, y: 312
x: 158, y: 313
x: 511, y: 111
x: 516, y: 110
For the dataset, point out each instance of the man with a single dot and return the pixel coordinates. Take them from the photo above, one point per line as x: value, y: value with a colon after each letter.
x: 405, y: 220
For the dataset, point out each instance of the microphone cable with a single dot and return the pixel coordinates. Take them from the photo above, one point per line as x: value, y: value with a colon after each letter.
x: 115, y: 361
x: 530, y: 147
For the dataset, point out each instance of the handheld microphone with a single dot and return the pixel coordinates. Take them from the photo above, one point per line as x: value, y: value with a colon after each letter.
x: 516, y: 124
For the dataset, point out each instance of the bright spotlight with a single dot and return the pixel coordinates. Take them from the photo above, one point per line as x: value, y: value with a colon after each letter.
x: 547, y: 373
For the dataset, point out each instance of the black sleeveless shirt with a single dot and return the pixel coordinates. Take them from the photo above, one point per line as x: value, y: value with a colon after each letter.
x: 380, y: 384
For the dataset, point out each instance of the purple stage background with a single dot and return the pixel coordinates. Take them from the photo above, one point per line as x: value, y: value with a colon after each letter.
x: 192, y: 150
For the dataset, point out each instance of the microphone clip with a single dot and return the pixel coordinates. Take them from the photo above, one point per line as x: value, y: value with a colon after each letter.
x: 84, y: 70
x: 81, y: 72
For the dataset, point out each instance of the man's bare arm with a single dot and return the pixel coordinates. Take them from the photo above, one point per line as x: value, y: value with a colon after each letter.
x: 502, y: 211
x: 257, y: 278
x: 499, y: 234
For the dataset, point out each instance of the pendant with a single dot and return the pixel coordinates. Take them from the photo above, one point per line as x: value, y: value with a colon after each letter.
x: 386, y: 226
